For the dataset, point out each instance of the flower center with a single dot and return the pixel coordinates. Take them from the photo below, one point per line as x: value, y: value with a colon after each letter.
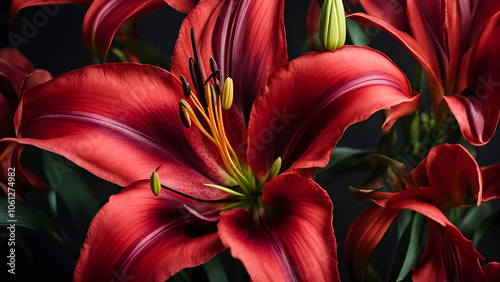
x: 207, y: 115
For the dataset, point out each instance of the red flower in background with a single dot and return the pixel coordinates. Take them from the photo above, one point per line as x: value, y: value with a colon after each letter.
x: 441, y: 182
x: 456, y: 44
x: 16, y: 75
x: 104, y: 17
x: 121, y: 122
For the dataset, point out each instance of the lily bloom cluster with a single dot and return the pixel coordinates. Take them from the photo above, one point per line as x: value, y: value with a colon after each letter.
x: 221, y: 151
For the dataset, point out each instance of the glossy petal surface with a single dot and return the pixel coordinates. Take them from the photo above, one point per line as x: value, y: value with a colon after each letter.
x: 292, y: 241
x: 305, y: 107
x: 120, y: 122
x: 144, y: 237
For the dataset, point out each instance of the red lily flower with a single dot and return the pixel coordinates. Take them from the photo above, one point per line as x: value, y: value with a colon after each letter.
x: 455, y: 43
x: 104, y: 17
x: 121, y: 122
x: 16, y: 75
x: 441, y: 182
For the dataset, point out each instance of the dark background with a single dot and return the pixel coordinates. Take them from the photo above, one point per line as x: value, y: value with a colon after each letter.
x: 57, y: 45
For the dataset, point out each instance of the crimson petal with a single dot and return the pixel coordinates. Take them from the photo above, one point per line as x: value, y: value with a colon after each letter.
x: 477, y: 108
x: 491, y: 179
x: 391, y: 11
x: 17, y: 5
x: 120, y: 122
x: 364, y: 235
x: 140, y: 236
x: 293, y: 240
x: 304, y: 109
x: 492, y: 271
x: 450, y: 168
x: 104, y: 17
x: 448, y: 256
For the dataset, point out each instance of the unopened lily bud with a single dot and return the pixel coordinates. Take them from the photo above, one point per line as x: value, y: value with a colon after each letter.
x: 332, y: 29
x: 275, y: 169
x: 227, y: 94
x: 154, y: 182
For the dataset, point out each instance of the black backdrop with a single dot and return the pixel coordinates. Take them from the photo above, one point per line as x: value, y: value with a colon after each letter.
x: 57, y: 45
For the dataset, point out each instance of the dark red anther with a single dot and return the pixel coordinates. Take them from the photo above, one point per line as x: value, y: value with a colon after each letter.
x: 185, y: 87
x: 184, y: 117
x: 197, y: 85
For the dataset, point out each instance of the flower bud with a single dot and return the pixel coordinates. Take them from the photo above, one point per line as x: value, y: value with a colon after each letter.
x: 332, y: 28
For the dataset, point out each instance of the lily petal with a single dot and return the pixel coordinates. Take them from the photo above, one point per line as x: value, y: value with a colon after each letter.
x: 411, y: 45
x: 492, y: 271
x: 137, y: 231
x: 391, y: 11
x: 477, y: 108
x: 120, y: 122
x: 364, y: 235
x: 224, y: 31
x: 104, y: 17
x: 448, y: 256
x: 14, y: 67
x: 293, y: 240
x: 450, y: 168
x: 491, y: 179
x: 17, y: 5
x: 304, y: 109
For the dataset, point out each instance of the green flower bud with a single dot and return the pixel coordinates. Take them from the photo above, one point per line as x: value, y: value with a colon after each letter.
x: 332, y: 29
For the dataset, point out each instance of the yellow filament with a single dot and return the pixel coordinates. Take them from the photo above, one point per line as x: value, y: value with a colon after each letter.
x: 218, y: 136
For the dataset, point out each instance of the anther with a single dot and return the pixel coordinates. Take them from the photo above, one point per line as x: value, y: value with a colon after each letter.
x: 227, y: 94
x: 154, y: 183
x: 215, y: 68
x: 185, y: 87
x: 186, y: 121
x: 197, y: 83
x: 215, y: 75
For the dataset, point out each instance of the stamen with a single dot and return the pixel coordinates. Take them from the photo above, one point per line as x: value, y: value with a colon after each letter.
x: 195, y: 46
x: 194, y: 198
x: 275, y: 169
x: 184, y: 117
x: 214, y: 68
x: 185, y: 87
x: 197, y: 64
x: 196, y: 83
x: 214, y: 75
x: 189, y: 111
x: 230, y: 191
x: 227, y: 94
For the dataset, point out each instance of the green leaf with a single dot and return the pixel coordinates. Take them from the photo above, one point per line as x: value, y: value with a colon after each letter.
x: 357, y: 33
x: 27, y: 216
x: 476, y: 221
x: 473, y: 218
x: 372, y: 275
x: 408, y: 249
x: 80, y: 201
x: 215, y: 271
x: 347, y: 159
x: 180, y: 276
x: 146, y: 53
x: 52, y: 198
